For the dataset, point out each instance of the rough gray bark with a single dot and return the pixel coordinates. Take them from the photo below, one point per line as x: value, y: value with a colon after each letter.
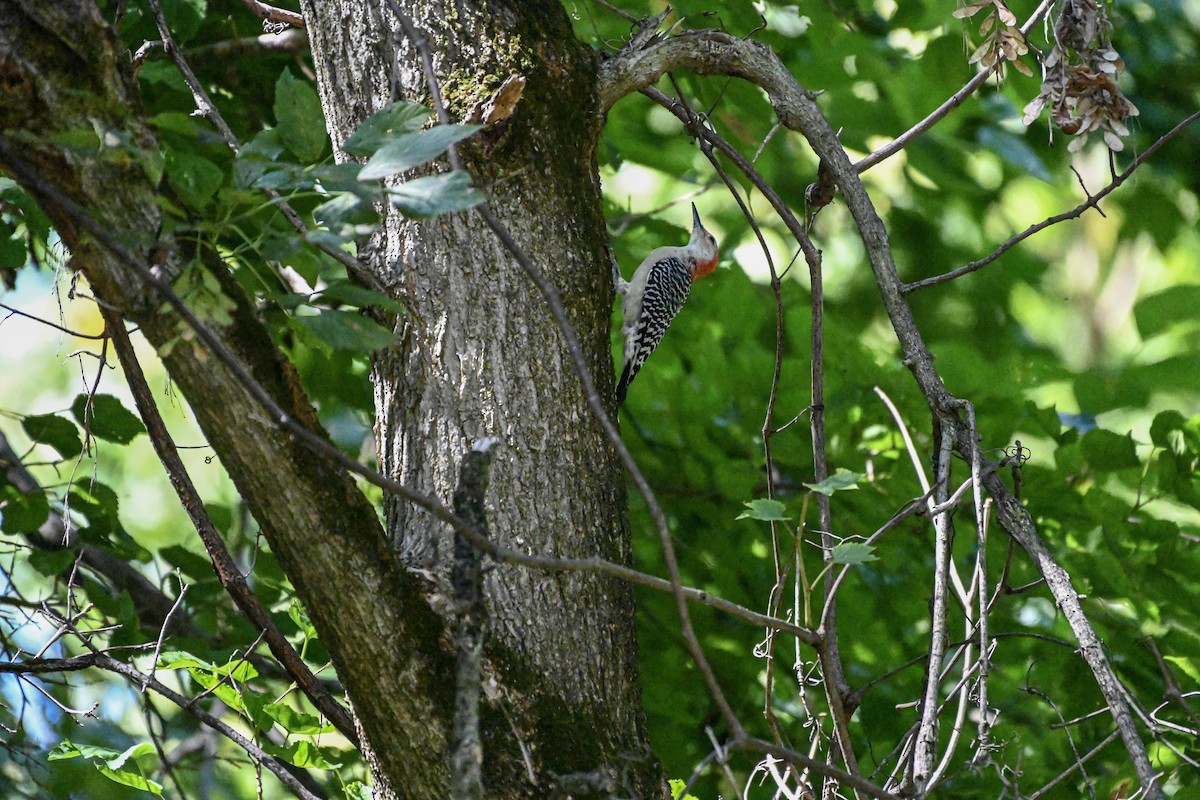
x: 479, y: 355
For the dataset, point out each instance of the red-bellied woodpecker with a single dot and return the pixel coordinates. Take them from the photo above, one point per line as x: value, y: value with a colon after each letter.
x: 657, y: 291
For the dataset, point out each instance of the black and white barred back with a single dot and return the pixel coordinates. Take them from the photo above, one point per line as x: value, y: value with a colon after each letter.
x: 667, y: 288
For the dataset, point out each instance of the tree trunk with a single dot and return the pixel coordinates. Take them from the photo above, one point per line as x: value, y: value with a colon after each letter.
x: 479, y: 355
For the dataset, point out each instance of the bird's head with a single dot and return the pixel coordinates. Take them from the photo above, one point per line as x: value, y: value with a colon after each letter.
x: 702, y: 247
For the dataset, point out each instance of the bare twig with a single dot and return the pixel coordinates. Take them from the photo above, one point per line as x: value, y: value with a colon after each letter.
x: 983, y: 730
x: 849, y: 779
x: 204, y: 103
x: 927, y: 731
x: 76, y: 334
x: 1070, y: 739
x: 1076, y: 765
x: 162, y: 633
x: 953, y: 102
x: 623, y: 14
x: 1091, y: 202
x: 1172, y: 693
x: 293, y: 40
x: 274, y: 13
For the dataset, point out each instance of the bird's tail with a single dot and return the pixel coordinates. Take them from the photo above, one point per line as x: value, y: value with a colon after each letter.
x: 623, y: 384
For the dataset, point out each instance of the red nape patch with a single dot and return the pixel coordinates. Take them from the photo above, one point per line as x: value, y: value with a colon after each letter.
x: 704, y: 268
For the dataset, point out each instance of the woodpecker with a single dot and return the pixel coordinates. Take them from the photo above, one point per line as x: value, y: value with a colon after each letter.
x: 657, y: 291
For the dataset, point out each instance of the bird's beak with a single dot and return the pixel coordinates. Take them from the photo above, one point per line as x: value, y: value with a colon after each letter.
x: 695, y: 217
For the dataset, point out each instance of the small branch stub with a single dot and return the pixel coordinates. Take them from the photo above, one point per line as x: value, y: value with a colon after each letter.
x: 466, y: 576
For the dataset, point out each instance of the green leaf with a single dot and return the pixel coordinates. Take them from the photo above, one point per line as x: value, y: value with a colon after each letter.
x: 299, y: 616
x: 301, y: 122
x: 127, y: 778
x: 334, y: 241
x: 853, y: 553
x: 225, y: 681
x: 109, y: 757
x: 304, y: 754
x: 238, y: 669
x: 841, y: 480
x: 412, y: 149
x: 12, y: 249
x: 345, y: 292
x: 764, y: 509
x: 195, y: 567
x: 1015, y: 150
x: 138, y: 750
x: 434, y: 194
x: 185, y: 17
x: 677, y: 787
x: 99, y: 503
x: 345, y: 210
x: 193, y: 178
x: 255, y: 704
x: 1105, y: 450
x: 358, y: 791
x: 348, y: 330
x: 296, y: 722
x: 1043, y: 420
x: 281, y: 177
x: 384, y: 125
x: 68, y: 749
x: 1164, y: 424
x: 266, y: 144
x: 186, y: 125
x: 109, y: 419
x: 22, y: 513
x: 1158, y: 312
x: 109, y: 762
x: 60, y: 433
x: 52, y: 563
x: 344, y: 178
